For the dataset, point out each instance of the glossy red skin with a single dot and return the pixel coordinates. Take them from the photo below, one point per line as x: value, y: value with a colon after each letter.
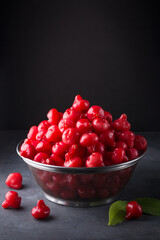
x: 41, y: 135
x: 60, y: 116
x: 86, y: 192
x: 64, y: 124
x: 55, y: 160
x: 53, y: 134
x: 27, y: 151
x: 44, y: 146
x: 122, y: 124
x: 108, y: 138
x: 132, y: 153
x: 78, y: 98
x: 99, y: 147
x: 41, y: 157
x: 41, y: 211
x: 32, y: 133
x: 108, y: 117
x: 71, y: 114
x: 81, y: 105
x: 95, y: 112
x: 53, y: 116
x: 59, y: 148
x: 83, y: 116
x: 127, y: 137
x: 118, y: 155
x: 100, y: 125
x: 76, y: 150
x: 70, y: 136
x: 121, y: 144
x: 95, y: 160
x: 44, y: 125
x: 34, y: 143
x: 84, y: 126
x: 89, y: 139
x: 81, y: 132
x: 140, y: 143
x: 14, y: 180
x: 12, y: 200
x: 133, y: 210
x: 73, y: 162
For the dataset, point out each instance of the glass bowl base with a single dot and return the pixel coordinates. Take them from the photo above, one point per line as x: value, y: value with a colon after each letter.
x: 80, y: 203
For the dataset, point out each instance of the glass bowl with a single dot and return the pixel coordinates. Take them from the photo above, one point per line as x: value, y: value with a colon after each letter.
x: 82, y: 187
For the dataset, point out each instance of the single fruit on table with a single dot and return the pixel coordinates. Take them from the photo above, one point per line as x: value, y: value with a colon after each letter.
x: 12, y: 200
x: 133, y: 210
x: 41, y: 211
x: 14, y: 180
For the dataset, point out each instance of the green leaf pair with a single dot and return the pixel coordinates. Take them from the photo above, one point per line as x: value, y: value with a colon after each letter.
x: 117, y: 211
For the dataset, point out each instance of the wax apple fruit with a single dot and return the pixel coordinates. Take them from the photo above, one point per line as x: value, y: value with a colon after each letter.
x: 82, y: 136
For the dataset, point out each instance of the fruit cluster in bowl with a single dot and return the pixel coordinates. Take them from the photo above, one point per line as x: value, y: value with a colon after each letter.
x: 82, y: 136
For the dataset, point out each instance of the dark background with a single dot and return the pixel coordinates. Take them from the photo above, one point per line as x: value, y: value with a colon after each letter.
x: 107, y: 51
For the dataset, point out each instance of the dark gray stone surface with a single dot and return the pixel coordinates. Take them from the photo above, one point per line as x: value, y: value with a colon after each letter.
x: 76, y: 223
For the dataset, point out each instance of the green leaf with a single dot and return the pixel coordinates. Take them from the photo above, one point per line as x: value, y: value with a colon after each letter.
x: 117, y: 212
x: 150, y: 205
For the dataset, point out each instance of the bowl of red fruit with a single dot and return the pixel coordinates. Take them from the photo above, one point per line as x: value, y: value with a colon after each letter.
x: 82, y: 157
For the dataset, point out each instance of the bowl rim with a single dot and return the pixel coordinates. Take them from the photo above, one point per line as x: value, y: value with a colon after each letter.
x: 78, y: 170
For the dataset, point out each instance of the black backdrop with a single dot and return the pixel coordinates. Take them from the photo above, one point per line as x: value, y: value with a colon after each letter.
x: 107, y: 51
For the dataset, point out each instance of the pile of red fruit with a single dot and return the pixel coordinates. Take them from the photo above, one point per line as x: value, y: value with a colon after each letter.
x: 82, y: 136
